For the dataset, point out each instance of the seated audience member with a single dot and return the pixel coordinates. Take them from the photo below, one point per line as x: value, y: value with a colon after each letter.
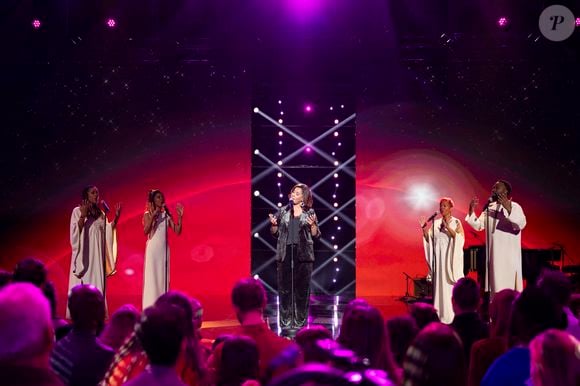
x: 61, y: 326
x: 131, y: 359
x: 533, y: 312
x: 26, y: 337
x: 559, y: 287
x: 162, y: 334
x: 363, y: 331
x: 555, y: 359
x: 120, y: 326
x: 486, y: 351
x: 239, y: 362
x: 402, y: 330
x: 435, y: 358
x: 80, y: 358
x: 30, y: 270
x: 467, y: 322
x: 423, y: 314
x: 249, y: 302
x: 307, y: 339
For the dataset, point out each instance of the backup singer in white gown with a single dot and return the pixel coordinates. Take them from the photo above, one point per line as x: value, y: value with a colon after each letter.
x: 448, y: 247
x: 156, y: 221
x: 506, y: 221
x: 93, y: 242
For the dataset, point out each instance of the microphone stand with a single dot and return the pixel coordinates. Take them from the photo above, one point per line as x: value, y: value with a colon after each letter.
x: 166, y: 250
x: 292, y: 303
x: 104, y: 254
x: 434, y: 260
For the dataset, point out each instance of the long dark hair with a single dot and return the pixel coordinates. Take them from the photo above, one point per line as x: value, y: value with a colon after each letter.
x: 363, y: 331
x: 306, y: 193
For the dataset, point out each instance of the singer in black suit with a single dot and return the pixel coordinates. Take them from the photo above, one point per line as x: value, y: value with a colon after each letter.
x: 295, y: 226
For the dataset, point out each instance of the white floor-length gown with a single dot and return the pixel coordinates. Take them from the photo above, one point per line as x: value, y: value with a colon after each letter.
x: 448, y: 267
x: 505, y: 245
x: 94, y: 251
x: 156, y: 270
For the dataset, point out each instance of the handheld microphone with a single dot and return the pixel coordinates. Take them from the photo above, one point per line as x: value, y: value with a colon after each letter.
x: 430, y: 219
x: 105, y: 206
x: 491, y: 199
x: 167, y: 211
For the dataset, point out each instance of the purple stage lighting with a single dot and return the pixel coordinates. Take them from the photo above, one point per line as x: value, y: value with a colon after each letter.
x: 36, y: 23
x: 308, y: 149
x: 502, y: 22
x: 111, y: 23
x: 308, y: 108
x: 578, y: 22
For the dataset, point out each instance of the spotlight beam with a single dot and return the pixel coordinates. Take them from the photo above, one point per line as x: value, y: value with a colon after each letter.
x: 318, y: 198
x: 296, y: 152
x: 264, y: 266
x: 340, y: 251
x: 319, y: 287
x: 331, y: 174
x: 345, y: 287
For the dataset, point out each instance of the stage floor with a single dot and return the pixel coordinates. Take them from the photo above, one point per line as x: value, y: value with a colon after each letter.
x: 324, y: 310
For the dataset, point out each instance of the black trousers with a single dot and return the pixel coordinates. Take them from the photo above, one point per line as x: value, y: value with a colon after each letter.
x: 293, y: 289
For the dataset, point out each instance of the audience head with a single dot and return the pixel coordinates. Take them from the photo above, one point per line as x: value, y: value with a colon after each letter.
x: 161, y: 332
x: 363, y: 331
x: 500, y: 310
x: 556, y: 285
x: 239, y: 361
x: 87, y: 308
x: 402, y: 330
x: 423, y: 314
x: 308, y: 338
x: 248, y: 295
x: 465, y: 296
x: 25, y: 324
x: 183, y: 302
x: 50, y: 293
x: 30, y: 270
x: 197, y: 310
x: 555, y: 359
x: 435, y: 358
x: 121, y: 326
x: 533, y: 312
x: 354, y: 303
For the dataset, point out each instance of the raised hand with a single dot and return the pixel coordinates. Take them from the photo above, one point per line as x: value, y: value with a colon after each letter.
x: 179, y: 209
x: 503, y: 199
x: 473, y: 204
x: 273, y: 220
x: 84, y: 207
x: 118, y: 209
x: 311, y: 219
x: 424, y: 224
x: 153, y: 210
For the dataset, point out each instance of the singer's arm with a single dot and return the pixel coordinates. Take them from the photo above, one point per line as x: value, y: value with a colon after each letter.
x: 177, y: 227
x: 147, y: 222
x: 517, y: 216
x: 118, y: 208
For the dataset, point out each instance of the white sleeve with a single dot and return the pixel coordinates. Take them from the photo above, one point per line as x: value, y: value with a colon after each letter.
x: 111, y: 252
x: 456, y: 259
x: 428, y: 248
x: 75, y: 240
x: 477, y: 223
x: 517, y: 217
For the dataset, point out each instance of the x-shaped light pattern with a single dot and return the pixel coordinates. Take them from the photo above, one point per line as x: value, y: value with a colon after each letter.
x: 274, y: 167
